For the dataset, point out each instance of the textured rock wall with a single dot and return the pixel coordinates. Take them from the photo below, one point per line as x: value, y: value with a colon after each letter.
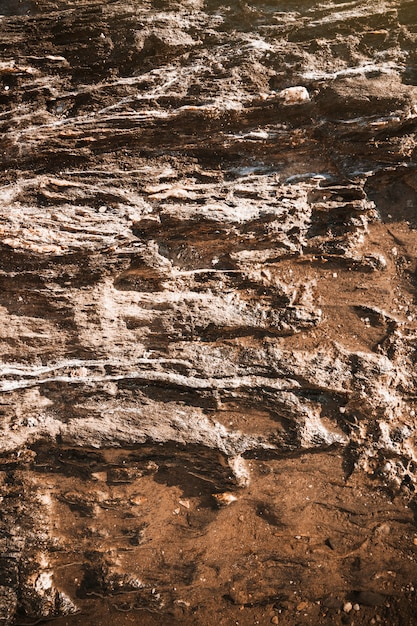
x: 208, y: 276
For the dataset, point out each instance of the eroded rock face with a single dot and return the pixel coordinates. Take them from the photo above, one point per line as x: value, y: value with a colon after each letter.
x: 207, y: 271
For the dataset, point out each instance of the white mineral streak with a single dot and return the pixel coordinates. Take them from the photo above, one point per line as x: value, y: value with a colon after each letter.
x: 176, y: 379
x: 388, y: 67
x: 352, y: 11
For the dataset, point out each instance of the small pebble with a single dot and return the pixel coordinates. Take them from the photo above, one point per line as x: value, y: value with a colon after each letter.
x: 274, y: 620
x: 347, y: 607
x: 294, y: 95
x: 225, y: 498
x: 356, y: 607
x: 331, y: 603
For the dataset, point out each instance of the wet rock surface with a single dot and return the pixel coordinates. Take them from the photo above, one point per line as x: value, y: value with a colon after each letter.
x: 208, y: 277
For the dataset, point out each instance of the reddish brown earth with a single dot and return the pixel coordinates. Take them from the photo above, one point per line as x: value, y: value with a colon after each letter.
x: 208, y: 242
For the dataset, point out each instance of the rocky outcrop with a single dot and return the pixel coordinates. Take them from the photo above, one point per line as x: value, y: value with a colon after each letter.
x: 207, y: 269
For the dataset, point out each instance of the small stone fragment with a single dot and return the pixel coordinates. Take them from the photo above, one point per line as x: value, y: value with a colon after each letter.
x: 275, y: 620
x: 347, y: 607
x: 136, y: 499
x: 123, y: 475
x: 99, y: 476
x: 294, y: 95
x: 331, y: 603
x: 224, y: 499
x: 330, y: 543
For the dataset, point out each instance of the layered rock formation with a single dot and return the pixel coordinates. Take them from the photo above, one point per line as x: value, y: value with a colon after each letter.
x: 208, y: 233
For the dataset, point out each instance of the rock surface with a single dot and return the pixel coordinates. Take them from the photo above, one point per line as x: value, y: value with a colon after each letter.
x: 208, y: 295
